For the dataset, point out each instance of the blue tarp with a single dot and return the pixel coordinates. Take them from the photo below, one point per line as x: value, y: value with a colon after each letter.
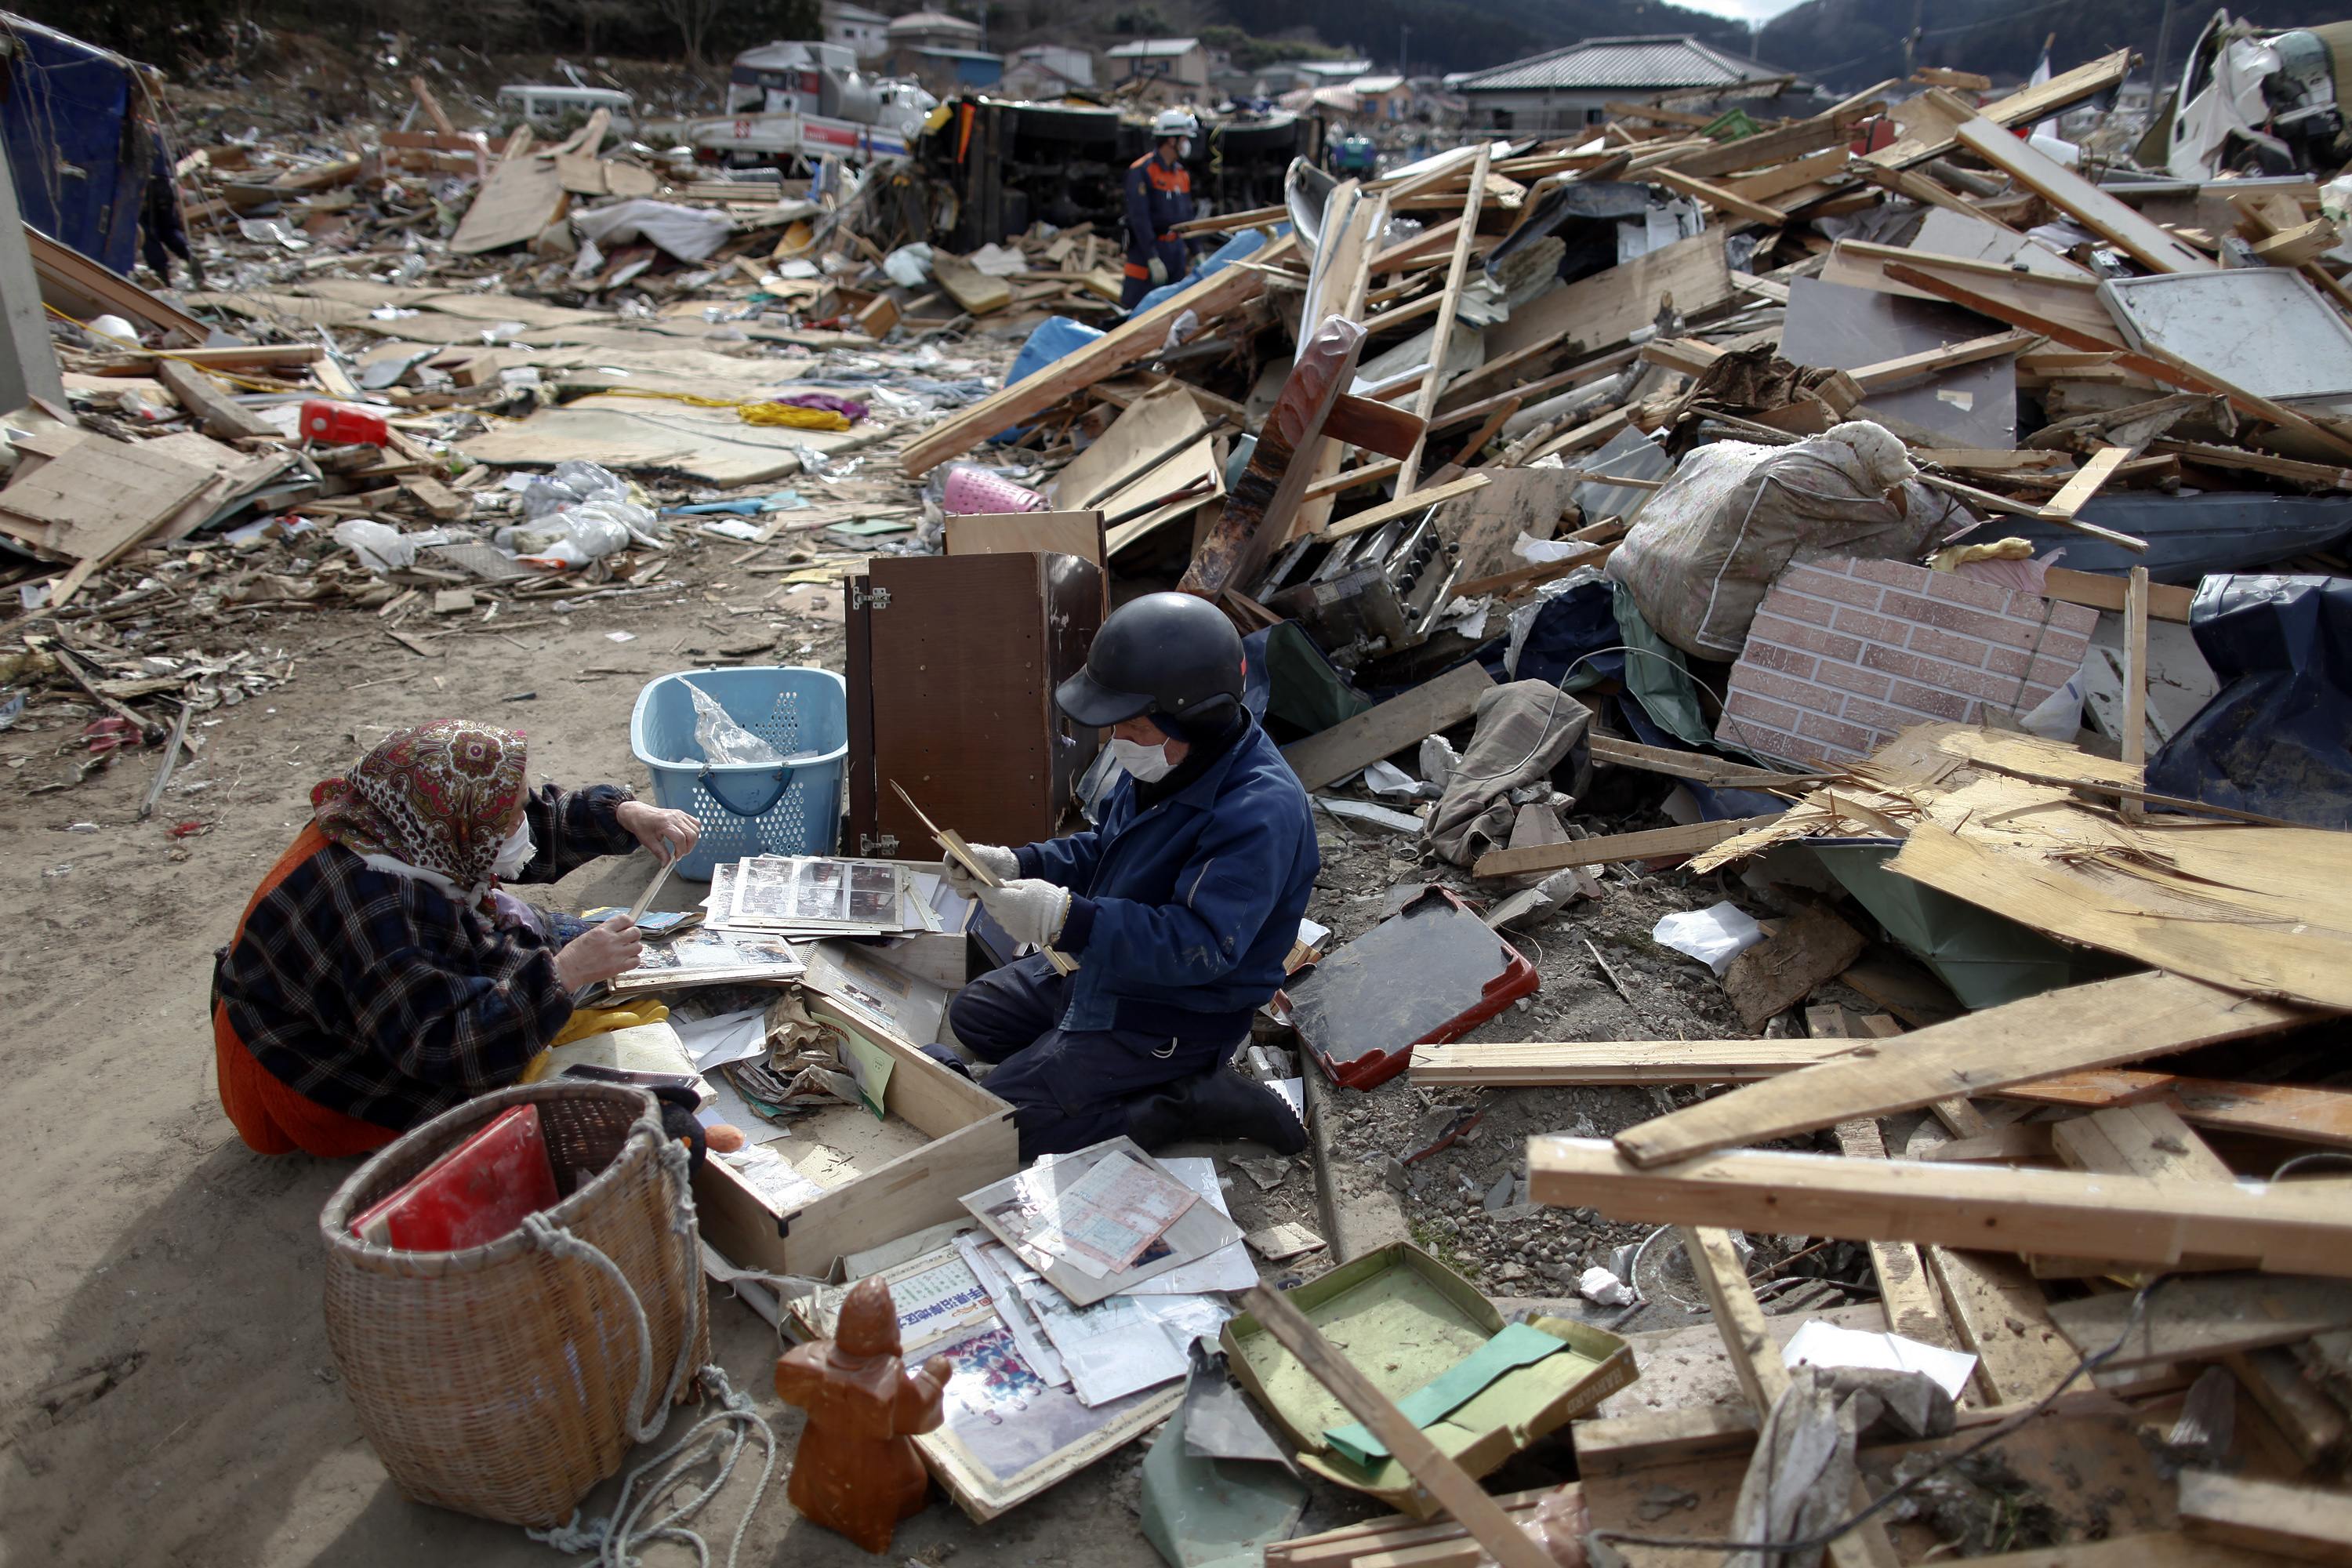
x: 78, y: 152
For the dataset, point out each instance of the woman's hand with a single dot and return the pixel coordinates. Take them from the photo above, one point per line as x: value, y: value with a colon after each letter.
x: 599, y: 953
x: 652, y: 825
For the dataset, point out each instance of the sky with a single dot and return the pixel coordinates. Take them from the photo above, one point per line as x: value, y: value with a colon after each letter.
x: 1753, y: 12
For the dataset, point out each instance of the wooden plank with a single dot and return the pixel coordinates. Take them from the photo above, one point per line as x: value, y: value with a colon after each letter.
x: 1400, y: 721
x: 2206, y: 1317
x: 2298, y: 1228
x: 2306, y: 962
x: 101, y: 496
x: 1890, y: 373
x: 1441, y: 334
x: 2134, y: 736
x: 2322, y: 473
x: 2101, y: 1025
x: 1999, y: 1317
x: 1601, y: 311
x: 2302, y: 1523
x: 2169, y: 1549
x: 2085, y: 483
x: 73, y: 282
x: 1138, y: 339
x: 2294, y: 247
x: 1529, y: 1064
x: 1704, y: 766
x: 1914, y: 1308
x: 1809, y: 947
x: 1399, y: 1541
x: 1452, y: 1487
x: 1654, y: 844
x: 1715, y: 196
x: 2316, y: 1427
x: 2144, y: 241
x: 2165, y: 602
x: 1078, y: 533
x: 1405, y: 505
x: 432, y: 106
x: 2297, y: 1112
x: 2141, y: 1139
x: 254, y: 356
x: 1829, y: 131
x: 214, y: 411
x: 1763, y: 1376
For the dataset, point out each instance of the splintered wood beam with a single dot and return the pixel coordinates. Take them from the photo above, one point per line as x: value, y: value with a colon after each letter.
x: 2302, y: 1523
x: 2297, y: 1228
x: 1442, y: 335
x: 1756, y: 1361
x: 1914, y: 1307
x: 1528, y: 1064
x: 1887, y: 375
x: 1654, y: 844
x: 2295, y: 1111
x: 1456, y: 1491
x: 2102, y: 1025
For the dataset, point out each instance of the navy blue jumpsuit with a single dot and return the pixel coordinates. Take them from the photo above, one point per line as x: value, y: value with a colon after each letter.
x: 1159, y: 197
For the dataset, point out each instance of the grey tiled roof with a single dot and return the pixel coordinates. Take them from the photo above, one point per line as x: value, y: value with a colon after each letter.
x: 1628, y: 63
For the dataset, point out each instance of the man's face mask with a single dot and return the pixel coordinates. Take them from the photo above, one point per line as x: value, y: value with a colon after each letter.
x: 515, y: 853
x: 1143, y: 763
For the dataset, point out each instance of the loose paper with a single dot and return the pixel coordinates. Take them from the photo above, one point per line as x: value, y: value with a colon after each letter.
x: 1106, y: 1220
x: 1826, y: 1344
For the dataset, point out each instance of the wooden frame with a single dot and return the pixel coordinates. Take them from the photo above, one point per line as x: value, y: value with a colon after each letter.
x: 971, y: 1143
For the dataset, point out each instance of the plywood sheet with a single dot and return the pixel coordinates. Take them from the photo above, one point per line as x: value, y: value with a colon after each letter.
x: 1602, y: 311
x: 709, y: 443
x: 522, y: 196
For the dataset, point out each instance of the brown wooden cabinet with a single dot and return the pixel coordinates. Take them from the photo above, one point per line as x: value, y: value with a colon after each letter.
x: 952, y: 661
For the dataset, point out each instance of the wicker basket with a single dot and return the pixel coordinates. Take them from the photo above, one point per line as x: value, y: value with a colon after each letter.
x: 508, y: 1380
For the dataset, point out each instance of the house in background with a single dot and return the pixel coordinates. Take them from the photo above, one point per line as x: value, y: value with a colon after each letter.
x: 1047, y: 71
x: 1565, y: 89
x: 932, y: 30
x: 1382, y: 97
x: 942, y: 52
x: 863, y: 33
x: 1181, y: 63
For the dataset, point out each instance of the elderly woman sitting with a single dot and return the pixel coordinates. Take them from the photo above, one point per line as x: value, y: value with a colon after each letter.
x: 381, y: 976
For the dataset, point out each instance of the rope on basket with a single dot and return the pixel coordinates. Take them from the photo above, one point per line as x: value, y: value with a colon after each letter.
x: 618, y: 1537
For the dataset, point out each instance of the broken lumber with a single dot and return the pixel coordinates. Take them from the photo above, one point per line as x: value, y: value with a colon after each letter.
x: 2295, y: 1111
x: 1406, y: 505
x: 1454, y: 1487
x: 2101, y: 1025
x: 2289, y: 1227
x: 1811, y: 946
x: 1914, y: 1308
x: 1135, y: 339
x: 2207, y: 1316
x: 2144, y: 241
x: 1763, y: 1376
x: 213, y: 411
x: 1400, y: 1541
x: 1531, y: 1064
x: 1999, y: 1316
x: 2302, y: 1523
x: 1382, y: 732
x: 1654, y: 844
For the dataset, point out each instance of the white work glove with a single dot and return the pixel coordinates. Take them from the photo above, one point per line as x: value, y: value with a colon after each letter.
x: 1159, y: 272
x: 1031, y: 911
x: 999, y: 861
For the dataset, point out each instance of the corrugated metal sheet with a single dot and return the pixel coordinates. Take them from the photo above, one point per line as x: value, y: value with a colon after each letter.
x: 1631, y: 64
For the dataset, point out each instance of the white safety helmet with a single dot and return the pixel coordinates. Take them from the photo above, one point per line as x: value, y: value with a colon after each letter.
x: 1175, y: 122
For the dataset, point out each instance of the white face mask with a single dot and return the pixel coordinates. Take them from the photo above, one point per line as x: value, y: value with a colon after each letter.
x: 1185, y: 147
x: 1143, y: 763
x: 515, y: 853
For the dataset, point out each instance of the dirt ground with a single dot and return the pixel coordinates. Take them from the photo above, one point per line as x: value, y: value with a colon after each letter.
x: 168, y: 1395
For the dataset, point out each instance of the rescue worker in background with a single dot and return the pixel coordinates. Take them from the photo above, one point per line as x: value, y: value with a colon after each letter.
x: 1159, y: 197
x: 1179, y: 906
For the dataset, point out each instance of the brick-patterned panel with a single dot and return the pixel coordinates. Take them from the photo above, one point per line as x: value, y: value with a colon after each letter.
x: 1844, y: 653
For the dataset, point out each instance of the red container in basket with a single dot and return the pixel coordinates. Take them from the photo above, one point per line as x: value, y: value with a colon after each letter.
x: 1431, y: 972
x: 340, y: 424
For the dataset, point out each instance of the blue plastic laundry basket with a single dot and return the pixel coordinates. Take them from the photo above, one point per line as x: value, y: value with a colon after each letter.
x: 747, y: 809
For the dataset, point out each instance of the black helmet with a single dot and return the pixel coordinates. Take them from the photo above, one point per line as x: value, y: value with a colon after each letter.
x: 1163, y: 653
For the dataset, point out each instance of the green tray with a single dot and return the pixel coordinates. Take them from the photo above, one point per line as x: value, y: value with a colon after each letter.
x: 1404, y: 1318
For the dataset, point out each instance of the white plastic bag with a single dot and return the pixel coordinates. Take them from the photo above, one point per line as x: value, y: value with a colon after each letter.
x: 382, y: 548
x: 571, y: 538
x: 909, y: 265
x: 1714, y: 936
x: 724, y: 741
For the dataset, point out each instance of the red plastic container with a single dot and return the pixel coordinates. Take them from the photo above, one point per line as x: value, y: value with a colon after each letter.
x: 340, y: 424
x: 1431, y: 972
x: 472, y: 1196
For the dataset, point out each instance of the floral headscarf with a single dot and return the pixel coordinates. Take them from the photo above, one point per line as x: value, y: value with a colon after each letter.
x: 434, y: 800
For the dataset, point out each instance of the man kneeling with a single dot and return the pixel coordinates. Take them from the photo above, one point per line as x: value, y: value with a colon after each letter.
x: 1180, y: 906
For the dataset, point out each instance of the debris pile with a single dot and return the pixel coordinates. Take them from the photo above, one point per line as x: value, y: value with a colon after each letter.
x: 1873, y: 576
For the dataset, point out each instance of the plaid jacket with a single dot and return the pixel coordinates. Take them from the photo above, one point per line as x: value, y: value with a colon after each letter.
x: 379, y: 997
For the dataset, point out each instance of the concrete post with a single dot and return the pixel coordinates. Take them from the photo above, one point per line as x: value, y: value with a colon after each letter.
x: 28, y: 365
